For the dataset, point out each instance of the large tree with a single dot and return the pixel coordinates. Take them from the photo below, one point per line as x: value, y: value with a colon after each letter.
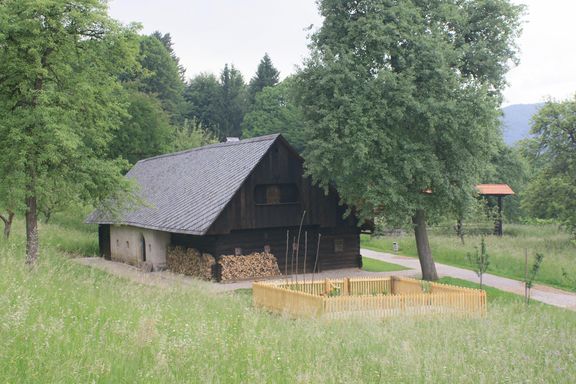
x: 202, y: 95
x: 161, y: 76
x: 552, y: 191
x: 145, y: 132
x: 275, y: 111
x: 402, y: 99
x: 266, y: 76
x: 232, y: 106
x: 59, y: 98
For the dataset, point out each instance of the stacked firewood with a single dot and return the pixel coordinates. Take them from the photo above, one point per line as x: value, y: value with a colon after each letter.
x: 190, y: 262
x: 249, y: 266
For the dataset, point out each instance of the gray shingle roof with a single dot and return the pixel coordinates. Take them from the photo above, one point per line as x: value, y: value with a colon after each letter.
x: 187, y: 190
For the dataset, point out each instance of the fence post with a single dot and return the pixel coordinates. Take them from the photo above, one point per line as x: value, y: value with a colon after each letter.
x: 326, y: 286
x: 346, y: 287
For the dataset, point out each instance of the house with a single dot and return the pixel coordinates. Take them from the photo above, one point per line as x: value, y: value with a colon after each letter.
x: 232, y: 198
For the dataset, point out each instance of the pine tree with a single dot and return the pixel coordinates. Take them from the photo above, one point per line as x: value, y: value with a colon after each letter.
x: 266, y: 76
x: 232, y: 102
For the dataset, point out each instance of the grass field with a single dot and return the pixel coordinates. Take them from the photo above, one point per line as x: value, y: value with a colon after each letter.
x: 506, y: 253
x: 373, y: 265
x: 65, y: 323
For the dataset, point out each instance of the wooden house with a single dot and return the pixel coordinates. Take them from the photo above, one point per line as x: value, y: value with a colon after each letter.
x: 231, y: 198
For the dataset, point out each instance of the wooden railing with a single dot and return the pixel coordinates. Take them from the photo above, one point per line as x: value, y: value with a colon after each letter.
x: 367, y: 296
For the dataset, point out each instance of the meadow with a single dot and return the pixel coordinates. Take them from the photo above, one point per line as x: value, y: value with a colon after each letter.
x: 66, y: 323
x: 506, y: 252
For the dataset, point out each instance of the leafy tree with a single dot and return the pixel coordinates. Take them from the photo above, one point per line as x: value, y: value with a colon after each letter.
x: 402, y: 100
x: 145, y: 132
x: 232, y: 104
x: 266, y: 76
x: 166, y: 40
x: 202, y: 95
x: 480, y: 260
x: 59, y: 99
x: 192, y: 135
x: 531, y: 276
x: 275, y: 111
x: 161, y: 75
x: 552, y: 153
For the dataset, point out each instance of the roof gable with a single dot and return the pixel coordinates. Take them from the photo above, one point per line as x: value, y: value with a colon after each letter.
x: 188, y: 190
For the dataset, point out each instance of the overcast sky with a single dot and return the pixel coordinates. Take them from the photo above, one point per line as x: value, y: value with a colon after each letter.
x: 209, y: 33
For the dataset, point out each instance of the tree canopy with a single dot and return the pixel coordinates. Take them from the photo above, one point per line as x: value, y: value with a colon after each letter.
x: 275, y: 111
x: 266, y: 76
x: 402, y: 100
x: 552, y: 192
x: 60, y: 99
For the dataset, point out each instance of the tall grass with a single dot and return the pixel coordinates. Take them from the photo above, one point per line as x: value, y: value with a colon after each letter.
x: 506, y: 253
x: 62, y: 322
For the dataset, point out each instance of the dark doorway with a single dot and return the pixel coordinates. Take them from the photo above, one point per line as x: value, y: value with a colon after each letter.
x: 143, y: 248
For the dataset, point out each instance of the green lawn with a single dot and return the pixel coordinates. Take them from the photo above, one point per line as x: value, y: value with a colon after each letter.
x: 506, y: 253
x: 373, y: 265
x: 66, y: 323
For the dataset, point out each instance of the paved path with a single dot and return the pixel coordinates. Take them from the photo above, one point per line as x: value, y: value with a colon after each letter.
x: 169, y: 279
x: 545, y: 294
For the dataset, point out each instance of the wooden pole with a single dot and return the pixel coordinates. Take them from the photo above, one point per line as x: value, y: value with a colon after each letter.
x: 500, y: 229
x: 286, y: 260
x: 305, y: 253
x: 526, y: 274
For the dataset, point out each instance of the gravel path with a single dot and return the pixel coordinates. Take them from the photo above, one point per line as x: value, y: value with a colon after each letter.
x: 545, y: 294
x: 169, y: 279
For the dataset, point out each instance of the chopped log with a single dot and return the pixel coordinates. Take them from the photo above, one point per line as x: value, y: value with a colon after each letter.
x: 190, y: 262
x: 255, y: 265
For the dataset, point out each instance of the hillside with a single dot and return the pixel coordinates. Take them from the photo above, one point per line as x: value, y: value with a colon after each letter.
x: 516, y: 121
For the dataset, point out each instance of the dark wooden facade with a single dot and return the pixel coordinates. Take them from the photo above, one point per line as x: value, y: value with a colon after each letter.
x: 269, y: 206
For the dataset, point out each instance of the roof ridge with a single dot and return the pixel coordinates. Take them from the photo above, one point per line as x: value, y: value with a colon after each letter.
x: 215, y: 145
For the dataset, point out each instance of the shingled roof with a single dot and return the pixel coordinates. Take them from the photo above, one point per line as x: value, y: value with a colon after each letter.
x: 187, y: 190
x: 494, y: 189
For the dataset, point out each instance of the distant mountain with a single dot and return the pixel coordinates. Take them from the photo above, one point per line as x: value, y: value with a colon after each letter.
x: 516, y: 121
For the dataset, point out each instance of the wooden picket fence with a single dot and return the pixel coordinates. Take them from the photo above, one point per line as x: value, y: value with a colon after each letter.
x: 379, y: 297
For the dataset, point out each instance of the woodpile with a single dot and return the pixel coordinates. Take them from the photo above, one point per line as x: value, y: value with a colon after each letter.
x: 190, y: 262
x: 255, y: 265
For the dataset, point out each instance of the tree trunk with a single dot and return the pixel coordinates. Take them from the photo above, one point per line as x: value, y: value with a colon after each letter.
x: 424, y: 252
x: 7, y: 223
x: 31, y: 230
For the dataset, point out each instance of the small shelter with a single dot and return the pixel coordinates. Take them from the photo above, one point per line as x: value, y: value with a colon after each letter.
x: 232, y: 198
x: 499, y: 191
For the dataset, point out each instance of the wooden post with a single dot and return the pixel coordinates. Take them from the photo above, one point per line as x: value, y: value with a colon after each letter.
x: 499, y: 229
x: 526, y: 274
x: 346, y: 287
x: 326, y: 286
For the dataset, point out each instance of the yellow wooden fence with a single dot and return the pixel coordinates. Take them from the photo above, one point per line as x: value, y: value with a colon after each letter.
x: 367, y: 296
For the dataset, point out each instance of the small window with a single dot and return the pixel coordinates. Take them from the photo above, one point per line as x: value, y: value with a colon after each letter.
x: 127, y: 244
x: 276, y: 194
x: 117, y: 243
x: 338, y: 245
x: 149, y: 247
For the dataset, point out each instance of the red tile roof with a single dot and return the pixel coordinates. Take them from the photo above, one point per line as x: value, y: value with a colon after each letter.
x: 494, y: 189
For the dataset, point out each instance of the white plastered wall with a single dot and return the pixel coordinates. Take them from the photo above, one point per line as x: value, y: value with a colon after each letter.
x: 126, y: 245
